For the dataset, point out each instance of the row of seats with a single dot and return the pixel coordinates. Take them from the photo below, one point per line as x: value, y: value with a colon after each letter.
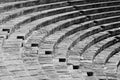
x: 60, y: 39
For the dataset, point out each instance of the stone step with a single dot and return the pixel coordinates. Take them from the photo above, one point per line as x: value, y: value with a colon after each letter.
x: 6, y: 16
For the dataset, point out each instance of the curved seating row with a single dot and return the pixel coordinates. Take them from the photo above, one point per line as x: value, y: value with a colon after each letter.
x: 28, y: 19
x: 67, y: 38
x: 88, y: 33
x: 83, y: 28
x: 58, y: 33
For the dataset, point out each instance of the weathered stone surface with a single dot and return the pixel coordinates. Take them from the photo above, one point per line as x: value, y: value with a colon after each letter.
x: 59, y: 40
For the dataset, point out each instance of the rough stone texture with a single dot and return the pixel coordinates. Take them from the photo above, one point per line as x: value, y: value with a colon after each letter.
x: 59, y: 40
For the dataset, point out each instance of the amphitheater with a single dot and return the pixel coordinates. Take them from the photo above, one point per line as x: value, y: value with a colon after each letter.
x: 59, y: 39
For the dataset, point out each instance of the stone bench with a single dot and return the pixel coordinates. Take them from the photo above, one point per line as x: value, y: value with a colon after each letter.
x: 102, y: 21
x: 8, y: 15
x: 78, y: 29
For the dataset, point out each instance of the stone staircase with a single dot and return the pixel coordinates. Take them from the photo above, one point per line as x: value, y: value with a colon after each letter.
x: 59, y: 39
